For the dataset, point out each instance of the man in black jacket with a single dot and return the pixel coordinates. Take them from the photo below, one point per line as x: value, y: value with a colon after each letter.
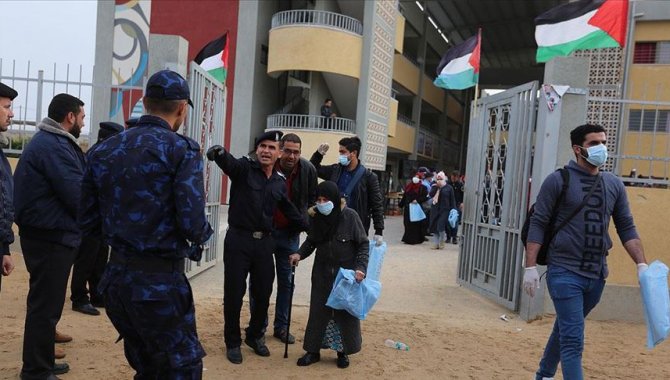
x: 256, y: 191
x: 358, y: 185
x: 47, y: 189
x: 301, y: 181
x: 7, y: 94
x: 89, y: 264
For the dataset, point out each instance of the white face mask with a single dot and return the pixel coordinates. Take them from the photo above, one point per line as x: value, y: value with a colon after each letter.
x: 596, y: 155
x: 325, y: 208
x: 415, y: 180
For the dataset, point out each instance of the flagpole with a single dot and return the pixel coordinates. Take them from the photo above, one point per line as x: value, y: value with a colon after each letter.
x: 476, y: 96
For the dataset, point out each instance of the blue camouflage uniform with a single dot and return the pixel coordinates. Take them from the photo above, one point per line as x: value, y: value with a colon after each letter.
x: 143, y: 192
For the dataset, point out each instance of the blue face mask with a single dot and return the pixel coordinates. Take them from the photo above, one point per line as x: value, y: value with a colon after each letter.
x: 596, y: 155
x: 344, y: 161
x: 325, y: 208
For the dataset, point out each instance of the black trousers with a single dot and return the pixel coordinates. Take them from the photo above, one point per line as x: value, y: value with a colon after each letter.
x: 242, y: 256
x: 49, y: 267
x: 102, y: 257
x: 84, y: 265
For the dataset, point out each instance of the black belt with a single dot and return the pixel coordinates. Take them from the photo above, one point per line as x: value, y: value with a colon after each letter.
x: 149, y: 264
x: 254, y: 234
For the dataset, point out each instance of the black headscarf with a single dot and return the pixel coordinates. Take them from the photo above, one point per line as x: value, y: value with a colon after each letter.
x: 323, y: 227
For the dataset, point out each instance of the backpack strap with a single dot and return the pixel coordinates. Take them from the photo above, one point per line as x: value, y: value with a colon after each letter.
x: 581, y: 206
x: 360, y: 170
x: 565, y: 175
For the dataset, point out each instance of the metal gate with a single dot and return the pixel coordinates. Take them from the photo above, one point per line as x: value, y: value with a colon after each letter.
x: 206, y: 126
x: 497, y: 188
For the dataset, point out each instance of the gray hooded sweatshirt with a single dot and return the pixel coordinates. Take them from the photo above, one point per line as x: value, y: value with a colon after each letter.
x: 581, y: 245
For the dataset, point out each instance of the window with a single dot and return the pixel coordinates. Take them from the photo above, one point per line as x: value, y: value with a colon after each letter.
x: 652, y: 52
x: 649, y: 120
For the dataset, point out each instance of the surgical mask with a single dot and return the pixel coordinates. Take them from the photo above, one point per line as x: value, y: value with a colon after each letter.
x: 344, y: 160
x: 325, y: 208
x: 415, y: 180
x: 596, y: 155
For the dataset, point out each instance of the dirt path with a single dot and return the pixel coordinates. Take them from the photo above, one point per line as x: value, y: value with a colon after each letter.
x: 452, y: 332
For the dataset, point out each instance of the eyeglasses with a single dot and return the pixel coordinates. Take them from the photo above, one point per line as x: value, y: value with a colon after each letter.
x: 291, y: 152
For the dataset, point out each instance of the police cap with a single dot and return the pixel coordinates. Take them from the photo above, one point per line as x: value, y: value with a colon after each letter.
x: 7, y: 92
x: 108, y: 129
x: 269, y: 135
x: 168, y: 85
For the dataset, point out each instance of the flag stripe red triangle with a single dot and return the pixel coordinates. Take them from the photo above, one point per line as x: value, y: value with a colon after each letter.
x: 612, y: 18
x: 476, y: 53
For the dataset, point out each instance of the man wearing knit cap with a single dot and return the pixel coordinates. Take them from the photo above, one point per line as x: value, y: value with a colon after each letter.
x: 7, y: 95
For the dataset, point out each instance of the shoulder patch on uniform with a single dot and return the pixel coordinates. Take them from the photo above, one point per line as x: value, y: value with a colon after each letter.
x: 192, y: 144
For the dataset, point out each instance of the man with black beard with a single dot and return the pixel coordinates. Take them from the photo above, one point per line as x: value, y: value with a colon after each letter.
x: 47, y: 188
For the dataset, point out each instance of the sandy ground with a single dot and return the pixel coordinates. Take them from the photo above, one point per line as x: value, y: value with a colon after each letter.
x: 452, y: 332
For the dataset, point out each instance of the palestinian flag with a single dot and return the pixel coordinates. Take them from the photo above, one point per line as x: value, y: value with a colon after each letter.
x: 459, y: 67
x: 584, y: 24
x: 214, y: 58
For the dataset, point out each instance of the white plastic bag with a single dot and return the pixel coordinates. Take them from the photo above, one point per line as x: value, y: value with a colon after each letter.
x: 656, y: 302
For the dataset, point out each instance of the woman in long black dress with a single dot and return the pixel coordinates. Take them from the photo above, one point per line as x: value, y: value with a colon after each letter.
x: 415, y: 193
x: 337, y: 234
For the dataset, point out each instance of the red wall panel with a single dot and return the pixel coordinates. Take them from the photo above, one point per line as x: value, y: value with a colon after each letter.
x: 200, y: 22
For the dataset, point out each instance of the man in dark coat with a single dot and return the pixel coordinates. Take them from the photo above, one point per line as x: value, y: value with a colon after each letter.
x: 7, y: 95
x: 93, y: 253
x: 301, y: 181
x: 47, y: 188
x: 257, y: 189
x: 359, y: 185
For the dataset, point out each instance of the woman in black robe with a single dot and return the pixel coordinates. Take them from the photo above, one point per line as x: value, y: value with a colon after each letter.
x: 337, y: 234
x: 415, y: 193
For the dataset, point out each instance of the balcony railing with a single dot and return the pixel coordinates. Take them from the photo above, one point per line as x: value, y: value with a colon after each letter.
x: 406, y: 119
x: 314, y: 122
x: 320, y: 18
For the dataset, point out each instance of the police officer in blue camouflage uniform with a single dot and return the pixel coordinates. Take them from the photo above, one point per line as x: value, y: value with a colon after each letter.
x: 257, y: 189
x: 143, y: 191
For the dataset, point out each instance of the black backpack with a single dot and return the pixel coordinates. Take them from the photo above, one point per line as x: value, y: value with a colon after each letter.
x: 549, y: 233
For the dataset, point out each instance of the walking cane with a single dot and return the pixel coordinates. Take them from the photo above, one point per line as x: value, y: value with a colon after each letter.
x: 290, y: 306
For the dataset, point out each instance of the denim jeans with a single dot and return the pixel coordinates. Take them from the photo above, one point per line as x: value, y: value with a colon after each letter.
x: 574, y: 296
x: 285, y: 244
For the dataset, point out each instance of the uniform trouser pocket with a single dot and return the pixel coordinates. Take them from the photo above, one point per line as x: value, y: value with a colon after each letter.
x: 157, y: 322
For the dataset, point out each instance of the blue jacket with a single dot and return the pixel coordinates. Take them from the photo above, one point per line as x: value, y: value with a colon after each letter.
x: 6, y: 205
x: 143, y: 190
x: 47, y: 186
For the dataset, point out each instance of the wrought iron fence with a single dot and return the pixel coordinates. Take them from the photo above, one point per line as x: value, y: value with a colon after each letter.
x: 36, y: 88
x: 292, y: 121
x: 319, y: 18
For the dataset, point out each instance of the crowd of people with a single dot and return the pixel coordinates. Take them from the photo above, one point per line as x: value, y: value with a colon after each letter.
x: 134, y: 205
x: 125, y: 215
x: 436, y: 195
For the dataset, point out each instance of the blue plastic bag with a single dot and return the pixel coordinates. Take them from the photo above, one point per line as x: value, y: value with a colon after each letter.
x: 375, y: 261
x: 453, y: 217
x: 656, y: 302
x: 416, y: 213
x: 355, y: 298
